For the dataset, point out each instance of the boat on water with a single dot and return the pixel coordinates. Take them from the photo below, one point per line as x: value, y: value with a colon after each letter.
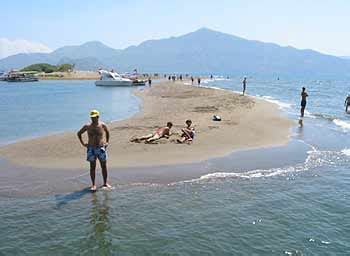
x: 18, y: 76
x: 2, y: 76
x: 135, y: 78
x: 113, y: 79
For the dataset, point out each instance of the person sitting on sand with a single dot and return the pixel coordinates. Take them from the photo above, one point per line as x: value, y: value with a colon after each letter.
x: 187, y: 132
x: 163, y: 132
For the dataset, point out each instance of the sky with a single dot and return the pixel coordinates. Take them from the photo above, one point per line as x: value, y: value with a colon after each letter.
x: 309, y: 24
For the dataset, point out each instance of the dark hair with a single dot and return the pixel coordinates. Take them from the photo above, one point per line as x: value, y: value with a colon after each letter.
x: 188, y: 121
x: 303, y: 88
x: 169, y: 124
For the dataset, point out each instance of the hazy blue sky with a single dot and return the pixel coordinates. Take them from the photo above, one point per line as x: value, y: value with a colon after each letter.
x: 321, y: 25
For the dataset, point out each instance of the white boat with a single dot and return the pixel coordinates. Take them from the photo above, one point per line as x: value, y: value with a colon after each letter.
x: 112, y: 79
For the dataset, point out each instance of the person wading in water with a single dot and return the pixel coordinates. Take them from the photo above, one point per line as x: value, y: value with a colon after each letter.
x: 244, y: 82
x: 304, y: 95
x: 96, y: 147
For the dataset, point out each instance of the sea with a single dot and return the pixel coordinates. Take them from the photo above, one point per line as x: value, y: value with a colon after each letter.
x: 286, y: 200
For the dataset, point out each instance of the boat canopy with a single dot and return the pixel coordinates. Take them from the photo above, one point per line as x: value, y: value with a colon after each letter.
x: 109, y: 74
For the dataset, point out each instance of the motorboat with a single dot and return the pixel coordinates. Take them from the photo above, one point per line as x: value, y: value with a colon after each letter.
x: 2, y: 76
x: 18, y: 76
x: 113, y: 79
x: 134, y: 77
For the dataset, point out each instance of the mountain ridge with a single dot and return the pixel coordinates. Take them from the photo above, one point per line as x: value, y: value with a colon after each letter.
x: 201, y: 51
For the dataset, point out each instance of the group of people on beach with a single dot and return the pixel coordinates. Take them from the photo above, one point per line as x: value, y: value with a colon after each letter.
x: 187, y: 134
x: 96, y: 147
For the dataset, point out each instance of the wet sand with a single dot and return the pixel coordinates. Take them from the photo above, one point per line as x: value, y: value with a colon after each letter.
x: 246, y: 123
x: 20, y: 181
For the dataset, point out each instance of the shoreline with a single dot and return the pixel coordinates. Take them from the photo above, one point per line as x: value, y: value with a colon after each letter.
x: 257, y: 122
x: 34, y: 182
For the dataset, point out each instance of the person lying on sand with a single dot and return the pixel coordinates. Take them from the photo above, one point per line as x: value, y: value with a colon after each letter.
x: 163, y: 132
x: 187, y: 132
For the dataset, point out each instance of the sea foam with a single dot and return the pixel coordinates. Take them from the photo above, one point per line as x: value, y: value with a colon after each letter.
x: 315, y: 158
x: 343, y: 124
x: 346, y: 151
x: 281, y: 104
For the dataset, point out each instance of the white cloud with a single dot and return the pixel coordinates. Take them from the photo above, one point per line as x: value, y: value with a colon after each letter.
x: 11, y: 47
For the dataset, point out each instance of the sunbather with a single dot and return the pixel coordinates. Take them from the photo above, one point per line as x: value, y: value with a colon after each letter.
x: 163, y: 132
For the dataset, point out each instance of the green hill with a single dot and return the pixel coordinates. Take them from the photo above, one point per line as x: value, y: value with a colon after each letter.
x: 47, y: 68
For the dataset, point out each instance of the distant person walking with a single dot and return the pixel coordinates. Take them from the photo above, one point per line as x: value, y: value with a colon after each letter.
x: 149, y: 82
x: 347, y: 103
x: 192, y: 80
x: 96, y: 147
x: 199, y: 81
x: 244, y: 82
x: 304, y: 95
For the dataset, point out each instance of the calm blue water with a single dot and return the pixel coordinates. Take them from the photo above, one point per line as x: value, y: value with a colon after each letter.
x: 292, y: 200
x: 39, y: 108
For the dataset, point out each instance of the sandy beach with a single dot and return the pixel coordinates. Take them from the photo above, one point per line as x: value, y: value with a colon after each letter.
x: 75, y: 75
x: 246, y: 123
x: 79, y: 75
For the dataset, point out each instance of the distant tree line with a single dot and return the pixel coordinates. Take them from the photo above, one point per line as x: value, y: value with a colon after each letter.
x: 48, y: 68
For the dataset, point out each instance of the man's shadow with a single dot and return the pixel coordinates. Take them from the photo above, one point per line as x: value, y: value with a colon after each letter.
x: 64, y: 199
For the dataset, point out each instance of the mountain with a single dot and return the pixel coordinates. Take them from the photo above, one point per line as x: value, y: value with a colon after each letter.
x: 10, y: 47
x: 88, y: 56
x: 201, y: 51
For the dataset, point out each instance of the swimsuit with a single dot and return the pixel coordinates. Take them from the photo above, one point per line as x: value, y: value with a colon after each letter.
x: 99, y: 152
x: 303, y: 103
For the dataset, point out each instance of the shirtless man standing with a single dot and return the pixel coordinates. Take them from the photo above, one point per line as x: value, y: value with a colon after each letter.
x: 96, y: 147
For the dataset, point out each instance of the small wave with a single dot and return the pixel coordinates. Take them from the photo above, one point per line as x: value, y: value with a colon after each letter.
x: 259, y: 173
x: 221, y: 79
x: 314, y: 159
x: 346, y: 151
x: 309, y: 114
x: 315, y: 240
x: 281, y: 104
x: 343, y: 124
x: 206, y: 81
x: 324, y: 116
x: 295, y: 252
x: 212, y: 87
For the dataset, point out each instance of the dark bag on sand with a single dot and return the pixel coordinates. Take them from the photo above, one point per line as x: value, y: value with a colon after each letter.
x: 216, y: 118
